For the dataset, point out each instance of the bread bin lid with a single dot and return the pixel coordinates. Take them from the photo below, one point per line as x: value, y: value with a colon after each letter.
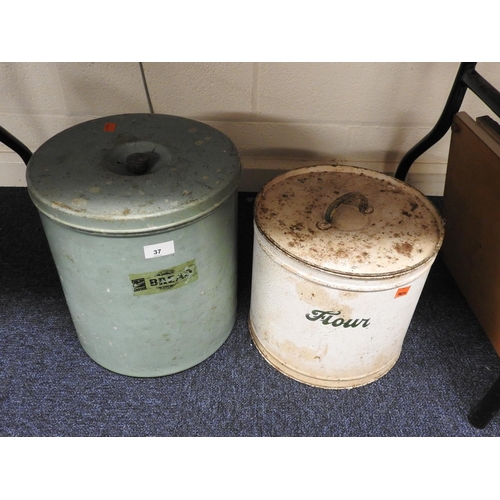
x: 349, y: 220
x: 133, y: 173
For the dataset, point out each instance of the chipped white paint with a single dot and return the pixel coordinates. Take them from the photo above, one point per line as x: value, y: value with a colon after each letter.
x: 330, y: 307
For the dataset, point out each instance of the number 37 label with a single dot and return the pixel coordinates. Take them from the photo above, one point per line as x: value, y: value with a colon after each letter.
x: 159, y: 250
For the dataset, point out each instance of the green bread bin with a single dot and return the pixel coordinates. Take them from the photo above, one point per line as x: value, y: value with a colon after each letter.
x: 139, y: 211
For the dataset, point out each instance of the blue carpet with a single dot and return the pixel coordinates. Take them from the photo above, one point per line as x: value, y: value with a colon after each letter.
x: 50, y: 387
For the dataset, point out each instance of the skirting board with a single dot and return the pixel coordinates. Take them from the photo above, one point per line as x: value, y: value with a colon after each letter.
x: 426, y: 177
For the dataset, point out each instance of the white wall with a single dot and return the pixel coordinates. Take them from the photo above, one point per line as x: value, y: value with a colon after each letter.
x: 279, y: 115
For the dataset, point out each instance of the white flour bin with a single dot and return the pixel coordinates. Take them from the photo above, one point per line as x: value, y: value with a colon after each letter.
x: 341, y: 255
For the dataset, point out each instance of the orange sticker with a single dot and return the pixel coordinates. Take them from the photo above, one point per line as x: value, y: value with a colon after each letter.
x: 109, y: 127
x: 402, y: 292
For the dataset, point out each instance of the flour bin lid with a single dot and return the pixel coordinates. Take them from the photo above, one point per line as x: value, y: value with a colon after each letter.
x: 132, y: 173
x: 349, y: 220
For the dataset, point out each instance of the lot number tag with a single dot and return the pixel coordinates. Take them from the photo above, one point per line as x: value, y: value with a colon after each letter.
x: 159, y: 250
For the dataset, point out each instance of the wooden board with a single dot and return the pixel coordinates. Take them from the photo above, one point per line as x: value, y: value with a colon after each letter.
x: 471, y: 209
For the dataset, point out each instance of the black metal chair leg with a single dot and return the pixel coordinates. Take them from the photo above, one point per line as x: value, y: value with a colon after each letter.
x: 485, y: 410
x: 451, y: 107
x: 15, y: 144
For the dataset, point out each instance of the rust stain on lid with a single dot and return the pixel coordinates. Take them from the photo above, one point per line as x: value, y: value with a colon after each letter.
x: 377, y: 225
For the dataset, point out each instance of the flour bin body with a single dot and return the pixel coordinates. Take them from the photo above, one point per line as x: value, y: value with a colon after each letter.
x: 341, y: 255
x: 140, y: 214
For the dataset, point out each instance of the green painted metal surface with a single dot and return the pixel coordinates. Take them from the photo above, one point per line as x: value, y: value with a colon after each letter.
x: 147, y: 261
